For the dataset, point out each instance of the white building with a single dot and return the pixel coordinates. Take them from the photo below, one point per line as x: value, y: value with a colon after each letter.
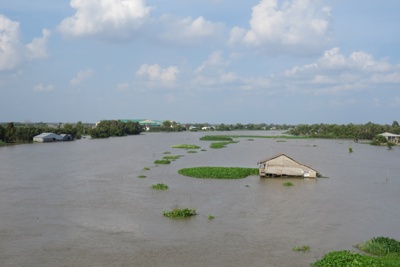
x: 394, y: 138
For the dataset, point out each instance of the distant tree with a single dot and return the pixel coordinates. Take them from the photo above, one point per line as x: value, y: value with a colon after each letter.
x: 10, y: 133
x: 167, y: 124
x: 109, y: 128
x: 395, y: 124
x: 2, y: 133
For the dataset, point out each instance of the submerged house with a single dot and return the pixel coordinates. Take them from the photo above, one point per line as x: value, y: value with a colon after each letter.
x: 282, y: 165
x: 52, y: 137
x: 394, y: 138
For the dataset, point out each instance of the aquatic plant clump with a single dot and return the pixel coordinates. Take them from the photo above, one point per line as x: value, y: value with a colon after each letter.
x: 180, y: 213
x: 221, y: 144
x: 160, y: 186
x: 288, y: 184
x: 216, y: 138
x: 186, y: 146
x: 218, y: 172
x: 385, y: 251
x: 348, y: 259
x: 381, y: 246
x: 303, y: 248
x: 172, y: 157
x: 162, y: 161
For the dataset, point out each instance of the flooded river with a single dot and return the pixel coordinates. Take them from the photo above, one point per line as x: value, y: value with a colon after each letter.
x: 81, y: 203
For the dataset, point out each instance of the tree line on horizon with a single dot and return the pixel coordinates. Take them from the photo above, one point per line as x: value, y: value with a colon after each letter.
x: 21, y: 133
x: 366, y: 131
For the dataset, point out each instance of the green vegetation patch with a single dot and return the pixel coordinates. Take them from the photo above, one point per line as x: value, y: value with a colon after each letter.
x: 385, y: 251
x: 218, y: 172
x: 142, y: 176
x: 288, y: 184
x: 230, y: 137
x: 162, y: 161
x: 346, y: 258
x: 160, y: 186
x: 221, y: 144
x: 186, y: 146
x: 216, y: 138
x: 381, y: 246
x: 303, y: 248
x: 180, y: 213
x: 172, y: 157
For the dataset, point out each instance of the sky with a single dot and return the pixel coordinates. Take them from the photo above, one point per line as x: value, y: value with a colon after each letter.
x: 197, y: 61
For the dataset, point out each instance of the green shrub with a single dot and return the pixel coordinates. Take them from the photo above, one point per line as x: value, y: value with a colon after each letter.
x: 191, y: 151
x: 146, y: 168
x: 379, y: 139
x: 160, y: 186
x: 162, y: 161
x: 218, y: 172
x: 180, y: 213
x: 142, y: 176
x: 390, y: 144
x: 211, y: 217
x: 350, y: 150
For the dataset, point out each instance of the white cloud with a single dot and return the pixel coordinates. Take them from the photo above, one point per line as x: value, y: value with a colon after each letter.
x: 81, y: 76
x: 37, y: 49
x: 297, y: 26
x: 105, y: 18
x: 122, y: 86
x: 157, y: 73
x: 43, y: 88
x: 334, y: 72
x: 189, y: 30
x: 12, y: 51
x: 214, y: 60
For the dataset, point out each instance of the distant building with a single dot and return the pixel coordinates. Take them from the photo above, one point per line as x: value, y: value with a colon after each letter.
x: 52, y: 137
x: 145, y: 123
x: 394, y: 138
x: 284, y: 166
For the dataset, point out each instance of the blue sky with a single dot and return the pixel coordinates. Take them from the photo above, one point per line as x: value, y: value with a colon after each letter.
x: 216, y: 61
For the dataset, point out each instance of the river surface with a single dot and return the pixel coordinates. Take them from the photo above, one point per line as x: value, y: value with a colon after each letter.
x: 82, y: 203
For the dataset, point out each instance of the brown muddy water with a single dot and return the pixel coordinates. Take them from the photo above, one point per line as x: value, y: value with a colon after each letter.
x: 82, y: 204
